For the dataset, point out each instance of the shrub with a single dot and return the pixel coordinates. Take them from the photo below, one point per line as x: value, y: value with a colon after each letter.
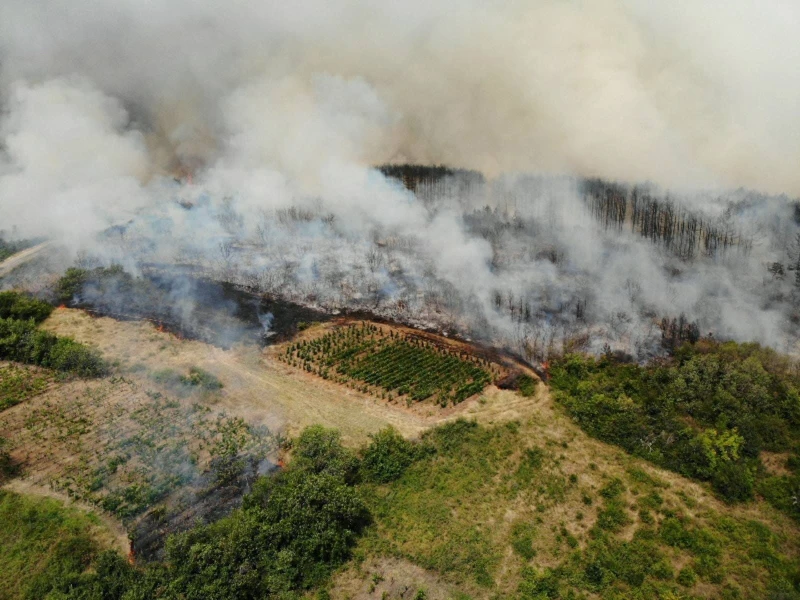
x: 70, y: 356
x: 21, y: 341
x: 9, y: 248
x: 319, y: 450
x: 70, y: 557
x: 613, y: 489
x: 734, y: 481
x: 529, y: 465
x: 387, y: 456
x: 70, y: 284
x: 291, y: 532
x: 198, y: 377
x: 539, y: 585
x: 297, y: 526
x: 687, y: 577
x: 707, y: 414
x: 7, y: 466
x: 527, y: 385
x: 294, y: 528
x: 451, y: 436
x: 522, y: 535
x: 613, y: 516
x: 14, y: 305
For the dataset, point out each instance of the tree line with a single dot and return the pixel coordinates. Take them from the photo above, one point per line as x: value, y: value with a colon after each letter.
x: 661, y: 220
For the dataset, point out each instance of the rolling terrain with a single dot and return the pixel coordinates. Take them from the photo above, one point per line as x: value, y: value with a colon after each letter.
x: 506, y: 495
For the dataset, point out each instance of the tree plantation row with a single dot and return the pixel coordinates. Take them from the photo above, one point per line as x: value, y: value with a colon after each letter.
x: 392, y: 365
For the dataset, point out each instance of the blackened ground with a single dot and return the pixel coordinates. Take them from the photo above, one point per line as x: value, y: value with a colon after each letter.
x: 194, y: 308
x: 213, y: 496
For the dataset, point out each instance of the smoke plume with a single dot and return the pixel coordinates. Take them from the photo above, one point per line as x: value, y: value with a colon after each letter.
x: 272, y: 116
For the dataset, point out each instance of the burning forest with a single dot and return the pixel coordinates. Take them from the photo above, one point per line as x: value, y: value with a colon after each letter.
x: 399, y: 300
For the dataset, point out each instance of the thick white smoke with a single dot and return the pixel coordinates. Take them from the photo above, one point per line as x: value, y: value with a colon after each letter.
x: 280, y: 109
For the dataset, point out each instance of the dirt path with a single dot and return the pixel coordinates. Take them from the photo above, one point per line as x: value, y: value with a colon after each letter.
x: 20, y: 258
x: 110, y: 532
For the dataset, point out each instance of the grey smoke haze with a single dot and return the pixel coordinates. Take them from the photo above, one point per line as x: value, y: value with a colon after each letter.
x: 279, y: 106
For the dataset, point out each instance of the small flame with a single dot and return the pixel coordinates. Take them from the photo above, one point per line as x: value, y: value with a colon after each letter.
x: 60, y: 306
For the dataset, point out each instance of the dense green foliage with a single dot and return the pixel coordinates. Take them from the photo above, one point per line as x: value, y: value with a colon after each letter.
x: 439, y: 510
x: 707, y: 414
x: 527, y: 385
x: 21, y: 341
x: 43, y: 547
x: 14, y: 305
x: 293, y: 529
x: 388, y: 456
x: 7, y: 466
x: 427, y: 513
x: 370, y: 359
x: 111, y: 280
x: 481, y: 491
x: 70, y: 284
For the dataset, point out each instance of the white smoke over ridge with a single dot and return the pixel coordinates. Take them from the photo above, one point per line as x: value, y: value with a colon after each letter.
x: 281, y: 109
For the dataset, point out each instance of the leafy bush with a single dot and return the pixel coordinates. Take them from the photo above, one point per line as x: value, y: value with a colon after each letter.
x: 11, y: 247
x: 687, y: 577
x: 387, y: 456
x: 293, y: 529
x: 319, y: 450
x: 68, y: 355
x: 707, y: 414
x: 735, y: 481
x: 70, y: 284
x: 198, y: 377
x: 7, y: 466
x: 522, y: 536
x: 14, y: 305
x: 783, y: 492
x: 21, y: 341
x: 527, y: 385
x: 613, y: 517
x: 44, y: 547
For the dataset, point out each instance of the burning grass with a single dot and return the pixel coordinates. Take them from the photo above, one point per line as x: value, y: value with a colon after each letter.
x: 393, y: 365
x: 128, y: 448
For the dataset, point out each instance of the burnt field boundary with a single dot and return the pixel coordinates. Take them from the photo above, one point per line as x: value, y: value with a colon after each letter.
x: 224, y: 314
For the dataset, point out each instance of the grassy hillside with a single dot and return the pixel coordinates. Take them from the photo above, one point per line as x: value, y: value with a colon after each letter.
x: 724, y: 413
x: 514, y: 510
x: 41, y: 540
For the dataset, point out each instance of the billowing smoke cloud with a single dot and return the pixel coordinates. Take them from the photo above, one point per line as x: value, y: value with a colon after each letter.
x: 279, y: 110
